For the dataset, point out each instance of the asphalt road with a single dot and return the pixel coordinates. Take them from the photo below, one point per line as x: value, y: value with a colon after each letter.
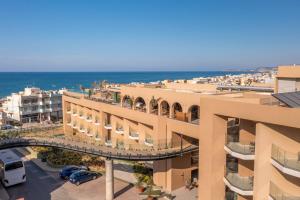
x: 39, y: 184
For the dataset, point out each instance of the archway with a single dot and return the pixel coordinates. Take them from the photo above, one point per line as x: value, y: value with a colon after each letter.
x: 164, y: 109
x: 140, y: 105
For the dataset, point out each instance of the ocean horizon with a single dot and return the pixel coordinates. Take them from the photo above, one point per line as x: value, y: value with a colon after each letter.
x: 11, y: 82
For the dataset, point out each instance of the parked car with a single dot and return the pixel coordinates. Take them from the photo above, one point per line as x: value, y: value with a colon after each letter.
x: 83, y: 176
x: 6, y: 127
x: 66, y: 172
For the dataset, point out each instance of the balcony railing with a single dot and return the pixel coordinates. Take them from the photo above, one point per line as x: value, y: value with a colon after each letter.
x: 133, y: 135
x: 89, y: 133
x: 102, y: 100
x: 242, y: 151
x: 69, y: 111
x: 74, y: 125
x: 89, y: 118
x: 119, y: 130
x: 277, y: 194
x: 81, y: 115
x: 286, y: 162
x: 108, y: 142
x: 108, y: 126
x: 74, y: 112
x: 81, y: 129
x: 120, y: 145
x: 239, y: 184
x: 97, y: 137
x: 149, y: 142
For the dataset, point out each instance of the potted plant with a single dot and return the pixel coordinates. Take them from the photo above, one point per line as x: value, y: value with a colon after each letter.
x: 150, y: 192
x: 140, y: 185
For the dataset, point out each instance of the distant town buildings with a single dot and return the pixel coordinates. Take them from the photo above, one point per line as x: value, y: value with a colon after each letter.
x: 34, y: 105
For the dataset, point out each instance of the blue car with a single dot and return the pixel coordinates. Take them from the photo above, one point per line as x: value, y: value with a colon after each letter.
x: 66, y: 172
x: 83, y: 176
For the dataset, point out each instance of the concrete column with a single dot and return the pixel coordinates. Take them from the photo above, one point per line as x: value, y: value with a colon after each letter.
x: 109, y: 172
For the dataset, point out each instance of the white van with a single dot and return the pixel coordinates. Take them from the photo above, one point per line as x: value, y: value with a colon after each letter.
x: 12, y: 169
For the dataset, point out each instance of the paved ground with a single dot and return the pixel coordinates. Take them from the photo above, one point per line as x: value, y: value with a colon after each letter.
x: 43, y: 185
x: 185, y: 194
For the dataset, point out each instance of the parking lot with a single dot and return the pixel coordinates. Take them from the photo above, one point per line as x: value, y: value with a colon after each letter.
x: 43, y: 185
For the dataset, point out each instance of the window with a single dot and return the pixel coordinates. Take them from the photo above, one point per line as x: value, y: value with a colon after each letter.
x: 12, y: 166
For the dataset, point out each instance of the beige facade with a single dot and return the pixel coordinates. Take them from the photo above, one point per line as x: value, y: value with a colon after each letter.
x: 143, y: 116
x: 248, y: 145
x: 247, y: 159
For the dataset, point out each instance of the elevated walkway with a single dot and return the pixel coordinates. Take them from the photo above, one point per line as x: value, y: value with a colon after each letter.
x: 52, y: 138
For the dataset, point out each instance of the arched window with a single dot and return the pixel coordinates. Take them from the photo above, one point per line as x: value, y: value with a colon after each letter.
x: 177, y: 112
x: 139, y: 104
x: 164, y: 109
x: 127, y: 102
x: 153, y: 106
x: 194, y: 114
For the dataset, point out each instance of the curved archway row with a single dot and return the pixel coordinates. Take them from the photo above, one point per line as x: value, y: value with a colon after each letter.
x: 163, y: 108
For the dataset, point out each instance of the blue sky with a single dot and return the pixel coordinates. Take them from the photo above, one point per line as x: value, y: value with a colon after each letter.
x: 139, y: 35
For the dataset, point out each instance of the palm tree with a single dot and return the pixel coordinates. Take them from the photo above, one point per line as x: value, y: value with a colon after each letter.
x: 90, y: 93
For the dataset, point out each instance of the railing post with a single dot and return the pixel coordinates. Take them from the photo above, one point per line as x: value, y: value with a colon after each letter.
x: 181, y: 144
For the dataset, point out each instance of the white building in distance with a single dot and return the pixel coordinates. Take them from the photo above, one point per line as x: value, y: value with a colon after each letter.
x: 34, y: 105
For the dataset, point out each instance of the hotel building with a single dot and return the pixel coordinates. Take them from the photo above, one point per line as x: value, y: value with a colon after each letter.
x: 249, y: 142
x: 34, y: 105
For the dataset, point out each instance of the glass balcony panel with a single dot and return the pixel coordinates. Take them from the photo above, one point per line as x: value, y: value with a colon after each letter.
x: 277, y: 194
x: 286, y: 159
x: 243, y: 183
x: 246, y: 149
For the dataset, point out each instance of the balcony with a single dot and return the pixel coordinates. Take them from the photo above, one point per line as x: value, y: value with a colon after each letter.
x: 48, y: 110
x: 239, y: 184
x: 88, y: 133
x: 108, y: 143
x: 242, y: 151
x: 74, y: 113
x: 108, y: 126
x: 26, y: 112
x: 119, y: 131
x: 120, y: 145
x: 74, y: 126
x: 69, y: 111
x: 81, y: 116
x: 81, y: 129
x: 277, y: 194
x: 149, y: 142
x: 286, y: 162
x: 133, y: 135
x: 89, y: 119
x: 97, y: 123
x: 69, y: 123
x: 97, y: 137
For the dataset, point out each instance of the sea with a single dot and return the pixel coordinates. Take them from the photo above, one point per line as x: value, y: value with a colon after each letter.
x: 11, y: 82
